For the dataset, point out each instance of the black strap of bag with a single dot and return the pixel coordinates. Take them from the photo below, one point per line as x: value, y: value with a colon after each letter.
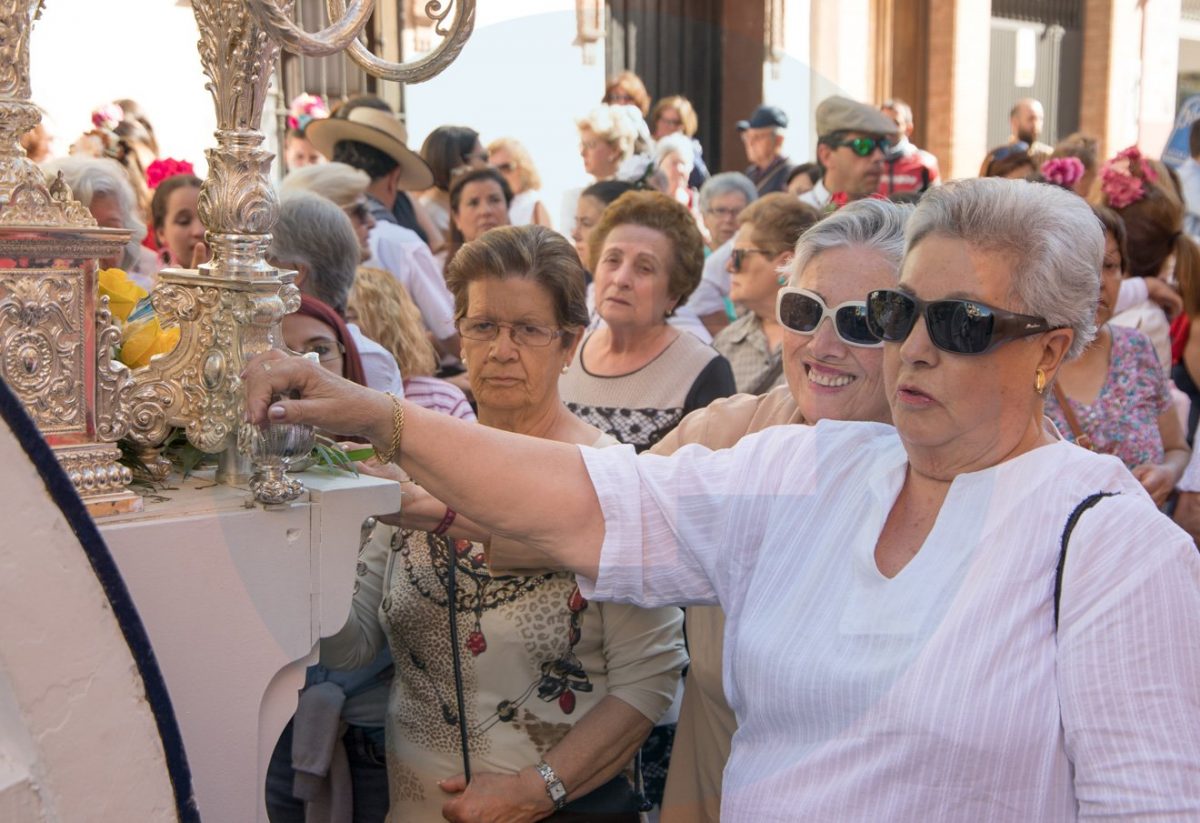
x: 459, y: 698
x: 1087, y: 503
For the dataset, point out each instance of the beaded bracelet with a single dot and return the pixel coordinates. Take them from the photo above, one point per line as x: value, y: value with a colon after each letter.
x: 447, y: 520
x: 397, y: 431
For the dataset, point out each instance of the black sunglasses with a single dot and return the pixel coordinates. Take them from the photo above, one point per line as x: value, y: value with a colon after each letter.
x: 738, y: 257
x: 955, y: 326
x: 802, y: 311
x: 864, y: 146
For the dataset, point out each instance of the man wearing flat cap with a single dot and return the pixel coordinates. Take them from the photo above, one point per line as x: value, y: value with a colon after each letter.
x: 852, y: 141
x: 762, y: 135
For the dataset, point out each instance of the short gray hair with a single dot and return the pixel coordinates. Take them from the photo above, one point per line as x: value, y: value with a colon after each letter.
x: 872, y: 224
x: 726, y: 183
x: 1055, y: 242
x: 91, y: 177
x: 680, y: 144
x: 314, y: 231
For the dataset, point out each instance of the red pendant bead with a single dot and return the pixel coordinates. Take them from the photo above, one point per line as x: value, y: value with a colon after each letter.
x: 577, y: 602
x: 566, y: 701
x: 461, y: 547
x: 476, y: 643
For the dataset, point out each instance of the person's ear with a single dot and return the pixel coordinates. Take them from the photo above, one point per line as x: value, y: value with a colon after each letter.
x: 1055, y: 345
x: 824, y: 152
x: 301, y: 281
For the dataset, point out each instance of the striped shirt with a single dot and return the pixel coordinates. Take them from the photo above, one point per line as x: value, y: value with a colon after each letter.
x: 439, y: 396
x: 944, y: 693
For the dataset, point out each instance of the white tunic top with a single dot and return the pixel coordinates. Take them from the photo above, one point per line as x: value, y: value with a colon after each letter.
x: 402, y: 252
x: 941, y: 694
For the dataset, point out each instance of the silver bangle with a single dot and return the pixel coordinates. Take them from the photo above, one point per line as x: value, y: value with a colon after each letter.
x: 554, y: 787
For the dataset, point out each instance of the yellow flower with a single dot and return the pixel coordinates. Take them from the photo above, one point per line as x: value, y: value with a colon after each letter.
x: 123, y: 293
x: 145, y: 338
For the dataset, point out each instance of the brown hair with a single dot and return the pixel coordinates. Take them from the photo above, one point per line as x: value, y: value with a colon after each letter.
x: 387, y: 315
x: 778, y: 220
x: 1114, y: 225
x: 665, y: 214
x: 632, y: 85
x: 162, y: 194
x: 446, y: 149
x: 533, y: 252
x: 1004, y: 160
x: 1083, y: 147
x: 683, y: 107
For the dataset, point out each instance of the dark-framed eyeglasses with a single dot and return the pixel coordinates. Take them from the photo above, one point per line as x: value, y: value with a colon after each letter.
x: 954, y: 326
x: 522, y: 334
x: 802, y: 311
x: 359, y: 211
x: 864, y: 146
x: 724, y: 212
x: 325, y: 350
x: 738, y: 257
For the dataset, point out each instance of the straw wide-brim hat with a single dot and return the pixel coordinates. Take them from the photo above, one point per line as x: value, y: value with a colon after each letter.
x: 377, y: 129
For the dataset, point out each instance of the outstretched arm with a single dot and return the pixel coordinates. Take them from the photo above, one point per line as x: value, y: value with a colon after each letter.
x: 519, y: 487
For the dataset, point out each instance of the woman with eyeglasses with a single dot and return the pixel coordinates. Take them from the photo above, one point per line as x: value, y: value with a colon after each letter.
x: 963, y: 616
x: 833, y: 366
x: 635, y: 375
x: 558, y: 693
x: 762, y: 248
x: 512, y: 160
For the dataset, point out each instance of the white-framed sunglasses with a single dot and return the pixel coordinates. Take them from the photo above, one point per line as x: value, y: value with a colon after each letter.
x: 802, y: 311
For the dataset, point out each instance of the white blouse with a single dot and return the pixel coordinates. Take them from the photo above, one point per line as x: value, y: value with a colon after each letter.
x: 944, y: 693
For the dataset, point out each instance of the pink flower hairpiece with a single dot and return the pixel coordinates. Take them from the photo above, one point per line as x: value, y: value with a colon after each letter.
x: 108, y: 116
x: 304, y: 109
x: 160, y: 170
x: 1063, y: 171
x: 1123, y: 179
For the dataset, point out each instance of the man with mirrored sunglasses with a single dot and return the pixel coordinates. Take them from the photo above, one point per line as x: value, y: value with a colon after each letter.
x: 852, y: 141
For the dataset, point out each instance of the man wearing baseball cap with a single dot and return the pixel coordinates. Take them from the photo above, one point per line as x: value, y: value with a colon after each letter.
x: 852, y: 141
x: 762, y: 135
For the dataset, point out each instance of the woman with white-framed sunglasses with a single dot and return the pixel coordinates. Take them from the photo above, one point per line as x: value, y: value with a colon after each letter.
x: 764, y: 243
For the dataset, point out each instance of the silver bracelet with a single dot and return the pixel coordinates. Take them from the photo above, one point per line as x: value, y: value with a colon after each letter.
x: 554, y: 787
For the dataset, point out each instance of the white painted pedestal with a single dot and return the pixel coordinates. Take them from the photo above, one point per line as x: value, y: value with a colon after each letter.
x: 235, y: 598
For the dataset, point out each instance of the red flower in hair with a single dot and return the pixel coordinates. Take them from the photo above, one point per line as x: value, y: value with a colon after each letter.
x: 1063, y: 171
x: 1123, y: 179
x: 165, y: 167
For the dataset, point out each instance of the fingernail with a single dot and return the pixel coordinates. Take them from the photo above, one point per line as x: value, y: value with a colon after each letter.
x: 277, y: 412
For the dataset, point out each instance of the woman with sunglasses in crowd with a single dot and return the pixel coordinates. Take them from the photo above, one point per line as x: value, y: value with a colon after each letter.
x: 512, y: 159
x: 834, y: 372
x: 941, y: 620
x: 762, y: 247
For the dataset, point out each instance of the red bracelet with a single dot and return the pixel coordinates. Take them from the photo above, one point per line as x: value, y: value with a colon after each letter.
x: 447, y: 520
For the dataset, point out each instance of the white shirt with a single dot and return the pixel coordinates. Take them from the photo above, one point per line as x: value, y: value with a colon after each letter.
x: 709, y: 296
x: 941, y: 694
x: 402, y: 252
x: 520, y: 210
x: 818, y: 196
x: 1189, y: 178
x: 379, y: 364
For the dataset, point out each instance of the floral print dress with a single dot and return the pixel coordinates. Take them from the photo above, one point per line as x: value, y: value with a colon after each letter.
x: 1123, y: 420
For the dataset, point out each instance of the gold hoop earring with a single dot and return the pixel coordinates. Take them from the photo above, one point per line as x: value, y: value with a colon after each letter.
x: 1039, y: 385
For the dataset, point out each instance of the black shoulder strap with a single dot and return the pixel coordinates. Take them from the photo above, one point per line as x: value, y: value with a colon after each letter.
x: 1087, y: 503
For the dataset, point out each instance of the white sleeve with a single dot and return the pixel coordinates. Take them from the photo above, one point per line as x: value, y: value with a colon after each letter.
x: 1133, y: 291
x: 709, y: 296
x: 686, y: 529
x: 1129, y: 664
x: 428, y: 290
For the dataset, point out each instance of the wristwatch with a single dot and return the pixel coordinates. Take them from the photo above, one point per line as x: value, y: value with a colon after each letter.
x: 554, y: 787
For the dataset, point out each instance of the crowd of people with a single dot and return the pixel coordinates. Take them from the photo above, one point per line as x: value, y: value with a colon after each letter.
x: 836, y: 585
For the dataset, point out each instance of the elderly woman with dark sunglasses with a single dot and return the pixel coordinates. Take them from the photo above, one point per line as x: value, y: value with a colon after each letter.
x: 962, y: 617
x: 834, y: 367
x: 764, y: 244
